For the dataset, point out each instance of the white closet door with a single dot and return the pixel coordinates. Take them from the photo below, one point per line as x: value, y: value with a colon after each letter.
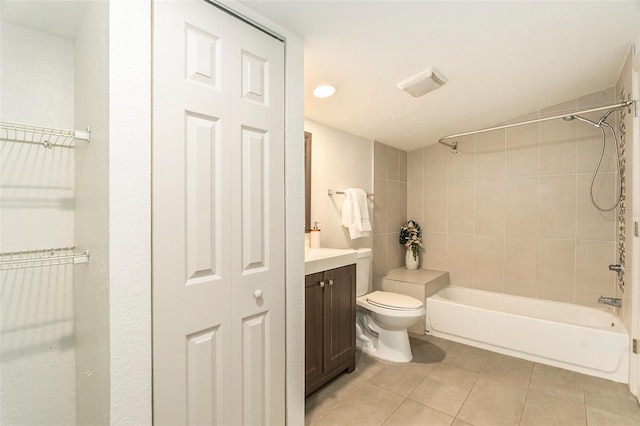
x: 218, y: 219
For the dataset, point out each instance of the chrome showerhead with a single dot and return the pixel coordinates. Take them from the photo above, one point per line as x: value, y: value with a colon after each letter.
x: 584, y: 120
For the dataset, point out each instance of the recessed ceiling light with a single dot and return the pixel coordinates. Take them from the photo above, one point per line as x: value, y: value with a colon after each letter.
x: 324, y: 91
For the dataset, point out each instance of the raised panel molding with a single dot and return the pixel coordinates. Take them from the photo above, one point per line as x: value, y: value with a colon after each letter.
x: 255, y: 349
x: 255, y: 78
x: 255, y: 166
x: 202, y: 56
x: 204, y: 384
x: 202, y: 197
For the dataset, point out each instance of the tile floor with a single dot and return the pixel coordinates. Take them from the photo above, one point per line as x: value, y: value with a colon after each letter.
x: 448, y: 383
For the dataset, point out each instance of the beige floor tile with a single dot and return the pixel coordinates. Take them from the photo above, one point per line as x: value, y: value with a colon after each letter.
x: 562, y: 384
x: 458, y: 422
x: 367, y: 366
x: 445, y: 389
x: 411, y: 413
x: 508, y: 369
x: 371, y: 405
x: 493, y: 403
x: 401, y: 378
x: 542, y: 409
x: 597, y: 417
x: 430, y: 350
x: 615, y: 398
x: 327, y: 398
x: 467, y: 357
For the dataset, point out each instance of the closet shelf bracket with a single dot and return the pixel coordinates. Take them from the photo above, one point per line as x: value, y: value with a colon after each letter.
x: 42, y: 258
x: 45, y: 136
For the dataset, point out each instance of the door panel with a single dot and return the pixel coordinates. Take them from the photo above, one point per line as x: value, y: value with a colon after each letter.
x: 218, y: 218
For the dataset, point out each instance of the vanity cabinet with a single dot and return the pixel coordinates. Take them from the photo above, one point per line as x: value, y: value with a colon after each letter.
x: 330, y: 325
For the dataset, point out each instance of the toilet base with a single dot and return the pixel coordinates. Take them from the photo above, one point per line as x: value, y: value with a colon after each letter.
x: 387, y: 345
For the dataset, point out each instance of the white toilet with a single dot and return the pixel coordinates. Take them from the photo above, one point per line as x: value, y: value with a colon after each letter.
x: 383, y: 317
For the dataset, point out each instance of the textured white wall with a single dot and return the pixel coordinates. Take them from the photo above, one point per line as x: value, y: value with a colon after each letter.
x: 340, y: 160
x: 37, y: 211
x: 130, y: 210
x: 92, y: 216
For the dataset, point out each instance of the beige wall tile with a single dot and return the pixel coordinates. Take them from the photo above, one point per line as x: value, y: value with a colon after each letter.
x: 593, y: 278
x: 402, y: 166
x: 396, y: 252
x: 556, y: 270
x: 436, y: 158
x: 590, y: 147
x: 380, y: 252
x: 461, y: 166
x: 415, y: 165
x: 460, y: 259
x: 393, y: 163
x: 557, y: 206
x: 488, y: 263
x: 380, y: 160
x: 558, y: 145
x: 380, y: 206
x: 521, y: 207
x: 540, y: 208
x: 592, y: 223
x: 395, y: 197
x: 434, y: 207
x: 388, y: 285
x: 434, y: 255
x: 522, y: 145
x: 460, y: 207
x: 490, y: 207
x: 490, y: 154
x: 414, y: 201
x: 597, y: 99
x: 520, y: 266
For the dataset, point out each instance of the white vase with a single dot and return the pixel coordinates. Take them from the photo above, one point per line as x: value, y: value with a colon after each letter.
x: 410, y: 261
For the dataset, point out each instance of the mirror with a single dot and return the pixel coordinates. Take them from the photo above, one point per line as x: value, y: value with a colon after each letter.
x: 307, y: 182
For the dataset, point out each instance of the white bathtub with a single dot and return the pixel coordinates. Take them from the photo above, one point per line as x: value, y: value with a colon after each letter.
x: 577, y: 338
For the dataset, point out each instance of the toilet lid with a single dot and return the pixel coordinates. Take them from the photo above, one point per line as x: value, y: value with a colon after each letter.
x: 389, y: 300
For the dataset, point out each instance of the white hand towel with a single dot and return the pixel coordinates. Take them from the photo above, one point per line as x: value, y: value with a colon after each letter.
x: 355, y: 213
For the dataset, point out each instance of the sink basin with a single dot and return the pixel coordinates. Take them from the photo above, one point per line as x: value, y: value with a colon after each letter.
x: 323, y: 259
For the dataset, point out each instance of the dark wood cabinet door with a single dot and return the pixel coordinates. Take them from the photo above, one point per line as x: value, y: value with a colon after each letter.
x: 339, y: 317
x: 313, y: 334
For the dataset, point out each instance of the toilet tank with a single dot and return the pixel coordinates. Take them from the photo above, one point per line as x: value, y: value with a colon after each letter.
x: 363, y: 271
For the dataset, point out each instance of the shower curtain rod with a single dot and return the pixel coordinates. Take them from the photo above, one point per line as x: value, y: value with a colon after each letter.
x: 454, y: 145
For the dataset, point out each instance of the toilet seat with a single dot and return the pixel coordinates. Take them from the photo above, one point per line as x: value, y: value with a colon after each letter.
x: 393, y: 301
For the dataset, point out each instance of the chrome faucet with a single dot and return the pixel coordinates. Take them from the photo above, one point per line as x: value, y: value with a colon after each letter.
x: 619, y: 269
x: 616, y: 268
x: 613, y: 301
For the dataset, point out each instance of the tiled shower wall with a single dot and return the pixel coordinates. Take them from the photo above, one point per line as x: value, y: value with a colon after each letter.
x: 510, y: 212
x: 390, y: 207
x: 629, y: 215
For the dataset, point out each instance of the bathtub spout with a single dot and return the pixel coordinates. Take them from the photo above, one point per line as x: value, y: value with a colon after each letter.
x: 613, y: 301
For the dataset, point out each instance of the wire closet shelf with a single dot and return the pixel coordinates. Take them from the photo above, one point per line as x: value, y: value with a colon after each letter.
x: 45, y: 136
x: 42, y: 258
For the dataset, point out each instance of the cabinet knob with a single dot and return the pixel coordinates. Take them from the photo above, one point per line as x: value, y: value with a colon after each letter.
x: 330, y: 282
x: 258, y: 293
x: 321, y: 283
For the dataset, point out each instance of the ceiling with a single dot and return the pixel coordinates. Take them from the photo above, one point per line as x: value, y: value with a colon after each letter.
x: 501, y: 59
x: 57, y: 17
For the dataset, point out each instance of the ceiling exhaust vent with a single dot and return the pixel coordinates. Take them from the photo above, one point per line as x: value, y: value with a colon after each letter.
x: 423, y: 82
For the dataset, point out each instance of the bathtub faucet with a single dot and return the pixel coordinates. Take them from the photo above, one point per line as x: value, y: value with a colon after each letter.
x: 613, y: 301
